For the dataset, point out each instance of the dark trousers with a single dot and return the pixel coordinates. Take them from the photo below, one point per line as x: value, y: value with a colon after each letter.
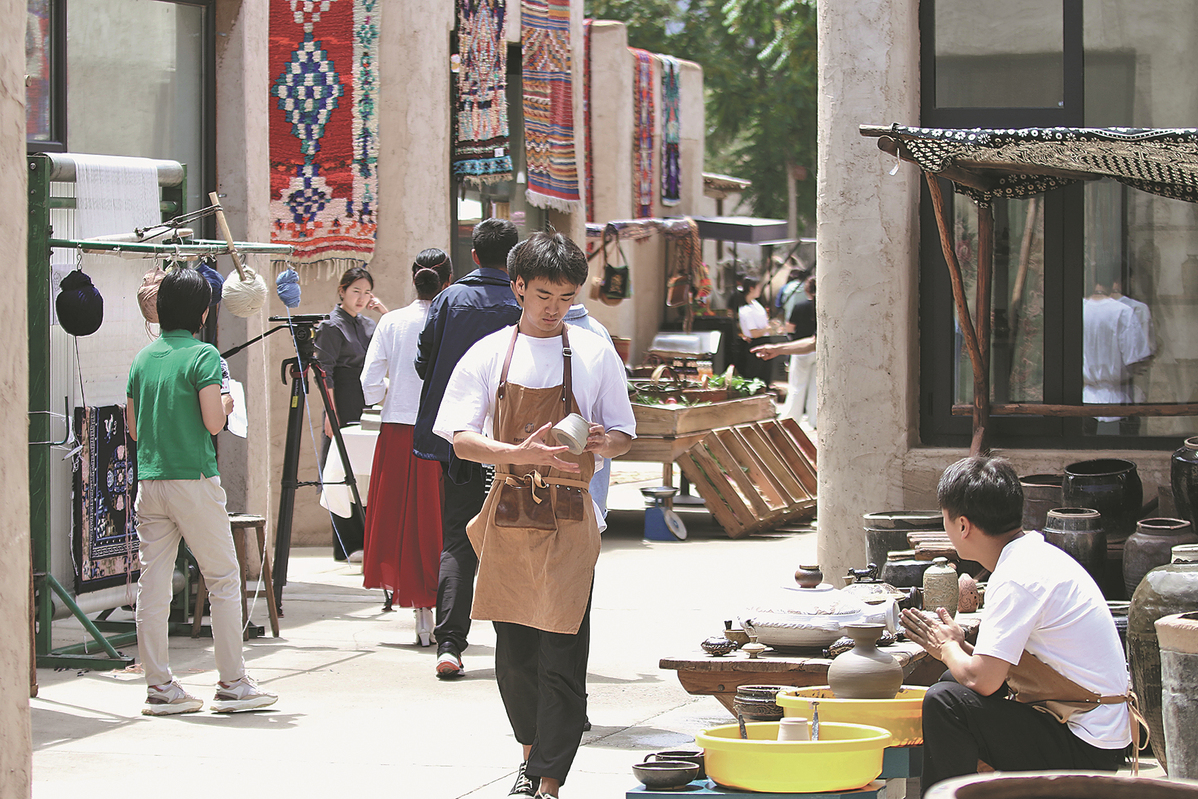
x: 961, y: 727
x: 455, y: 583
x: 543, y: 681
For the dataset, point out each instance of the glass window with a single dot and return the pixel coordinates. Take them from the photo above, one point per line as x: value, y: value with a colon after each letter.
x: 999, y: 54
x: 39, y: 70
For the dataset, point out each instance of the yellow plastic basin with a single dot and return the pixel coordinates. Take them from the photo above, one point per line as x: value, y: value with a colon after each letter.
x: 902, y: 716
x: 847, y: 757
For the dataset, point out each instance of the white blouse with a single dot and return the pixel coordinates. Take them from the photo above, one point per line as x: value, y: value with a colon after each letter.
x: 392, y: 354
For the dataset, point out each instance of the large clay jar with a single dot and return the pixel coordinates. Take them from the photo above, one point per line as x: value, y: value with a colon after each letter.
x: 1079, y: 532
x: 1041, y: 493
x: 887, y: 530
x: 903, y: 570
x: 1178, y: 636
x: 865, y: 672
x: 1151, y: 545
x: 1164, y: 590
x: 940, y: 587
x: 1183, y: 474
x: 1110, y: 486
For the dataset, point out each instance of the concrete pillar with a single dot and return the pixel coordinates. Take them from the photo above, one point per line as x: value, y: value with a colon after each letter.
x: 867, y: 251
x: 16, y: 751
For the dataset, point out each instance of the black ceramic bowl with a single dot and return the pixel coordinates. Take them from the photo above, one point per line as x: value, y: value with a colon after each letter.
x: 664, y: 774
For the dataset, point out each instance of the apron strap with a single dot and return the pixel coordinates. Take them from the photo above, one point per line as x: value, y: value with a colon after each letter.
x: 567, y: 354
x: 507, y: 362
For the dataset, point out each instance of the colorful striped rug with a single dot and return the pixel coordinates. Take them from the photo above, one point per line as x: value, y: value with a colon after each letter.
x: 324, y: 128
x: 481, y: 151
x: 671, y: 131
x: 549, y: 105
x: 642, y: 133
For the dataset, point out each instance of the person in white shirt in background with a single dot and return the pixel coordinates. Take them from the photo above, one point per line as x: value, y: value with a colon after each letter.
x: 403, y: 525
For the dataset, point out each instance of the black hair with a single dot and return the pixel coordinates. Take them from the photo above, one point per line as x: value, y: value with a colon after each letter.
x: 183, y: 296
x: 741, y: 295
x: 492, y: 240
x: 352, y: 276
x: 986, y: 491
x: 548, y: 255
x: 809, y: 285
x: 431, y: 270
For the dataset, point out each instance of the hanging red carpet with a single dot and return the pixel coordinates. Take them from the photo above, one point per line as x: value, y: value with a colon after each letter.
x: 324, y: 128
x: 642, y: 133
x: 481, y: 151
x: 549, y: 105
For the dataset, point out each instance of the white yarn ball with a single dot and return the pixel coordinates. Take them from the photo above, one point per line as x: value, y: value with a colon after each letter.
x: 244, y: 297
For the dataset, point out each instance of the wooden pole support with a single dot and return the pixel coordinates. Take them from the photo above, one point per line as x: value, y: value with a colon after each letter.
x: 223, y: 224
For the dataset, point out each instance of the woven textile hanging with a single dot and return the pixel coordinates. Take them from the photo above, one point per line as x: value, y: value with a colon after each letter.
x: 642, y: 133
x: 587, y: 161
x: 671, y: 131
x: 549, y: 105
x: 105, y: 487
x: 481, y: 151
x: 324, y: 128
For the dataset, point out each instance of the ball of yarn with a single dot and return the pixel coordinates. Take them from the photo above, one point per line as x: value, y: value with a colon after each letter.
x: 288, y: 287
x: 244, y: 297
x: 147, y: 295
x: 79, y: 305
x: 214, y: 280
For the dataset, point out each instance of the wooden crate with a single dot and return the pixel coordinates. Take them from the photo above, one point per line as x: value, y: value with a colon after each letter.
x: 753, y: 476
x: 678, y: 420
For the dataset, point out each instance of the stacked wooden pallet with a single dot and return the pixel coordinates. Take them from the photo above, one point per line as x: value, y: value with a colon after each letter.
x: 929, y: 545
x: 754, y: 476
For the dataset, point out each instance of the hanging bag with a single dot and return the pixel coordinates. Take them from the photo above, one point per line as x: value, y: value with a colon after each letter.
x: 615, y: 286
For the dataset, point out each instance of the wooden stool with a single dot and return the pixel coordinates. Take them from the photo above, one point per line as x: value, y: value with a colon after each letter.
x: 240, y: 523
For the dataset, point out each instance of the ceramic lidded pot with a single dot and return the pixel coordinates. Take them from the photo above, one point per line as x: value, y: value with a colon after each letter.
x: 886, y: 531
x: 1041, y: 493
x: 865, y: 672
x: 902, y: 570
x: 1151, y: 545
x: 1110, y: 486
x: 1079, y: 532
x: 809, y: 576
x: 1165, y: 590
x: 940, y: 587
x: 1183, y: 477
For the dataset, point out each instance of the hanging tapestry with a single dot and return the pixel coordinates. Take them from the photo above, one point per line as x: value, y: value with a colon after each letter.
x: 481, y: 150
x: 549, y: 105
x: 105, y: 541
x: 586, y: 115
x: 642, y: 133
x: 671, y: 131
x: 324, y: 128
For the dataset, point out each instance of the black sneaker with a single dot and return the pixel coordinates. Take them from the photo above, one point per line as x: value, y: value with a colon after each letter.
x: 523, y: 789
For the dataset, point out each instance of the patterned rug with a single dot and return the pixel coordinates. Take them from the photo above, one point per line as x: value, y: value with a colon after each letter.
x: 642, y: 133
x: 549, y: 105
x: 671, y: 131
x: 105, y: 543
x: 324, y: 128
x: 482, y: 148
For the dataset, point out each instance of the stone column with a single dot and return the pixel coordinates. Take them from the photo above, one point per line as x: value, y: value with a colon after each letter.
x: 16, y: 752
x: 867, y: 254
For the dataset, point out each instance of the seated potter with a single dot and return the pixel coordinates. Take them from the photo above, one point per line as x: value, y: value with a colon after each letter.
x: 1047, y: 637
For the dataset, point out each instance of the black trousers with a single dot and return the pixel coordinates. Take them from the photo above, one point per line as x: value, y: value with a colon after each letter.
x: 961, y: 727
x: 455, y: 582
x: 543, y: 681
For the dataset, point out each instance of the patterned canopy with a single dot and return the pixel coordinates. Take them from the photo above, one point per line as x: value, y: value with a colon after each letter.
x: 1023, y: 162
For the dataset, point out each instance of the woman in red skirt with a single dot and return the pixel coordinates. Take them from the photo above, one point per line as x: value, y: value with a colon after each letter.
x: 403, y: 512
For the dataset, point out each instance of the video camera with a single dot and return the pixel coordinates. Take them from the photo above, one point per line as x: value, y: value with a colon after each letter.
x: 302, y: 327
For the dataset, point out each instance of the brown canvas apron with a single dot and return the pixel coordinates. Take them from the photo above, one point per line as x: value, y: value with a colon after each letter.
x: 537, y: 537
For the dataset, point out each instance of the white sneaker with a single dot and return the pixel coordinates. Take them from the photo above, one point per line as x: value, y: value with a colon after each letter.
x: 425, y: 621
x: 169, y: 700
x: 244, y: 694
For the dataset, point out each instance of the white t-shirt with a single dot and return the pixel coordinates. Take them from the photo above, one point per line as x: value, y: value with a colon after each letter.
x: 1042, y: 600
x: 392, y: 354
x: 752, y: 317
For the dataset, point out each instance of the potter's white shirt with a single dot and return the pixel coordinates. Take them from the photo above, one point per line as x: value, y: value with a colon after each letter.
x: 1112, y: 339
x: 392, y: 355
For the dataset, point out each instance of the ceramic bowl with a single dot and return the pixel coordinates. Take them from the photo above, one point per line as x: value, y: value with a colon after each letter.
x: 737, y: 636
x: 665, y: 774
x: 685, y: 755
x: 717, y: 647
x: 572, y: 432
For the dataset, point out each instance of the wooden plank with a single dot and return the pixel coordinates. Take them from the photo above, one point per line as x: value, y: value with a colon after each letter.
x: 660, y: 450
x: 1040, y: 409
x: 760, y: 479
x: 720, y: 492
x: 805, y: 443
x: 732, y: 468
x: 773, y: 461
x: 793, y: 455
x: 676, y: 420
x: 752, y: 444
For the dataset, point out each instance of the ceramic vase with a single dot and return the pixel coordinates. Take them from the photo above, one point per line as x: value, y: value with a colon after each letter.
x: 865, y: 672
x: 1183, y: 478
x: 1041, y: 493
x: 809, y: 576
x: 940, y: 587
x: 1110, y: 486
x: 1079, y: 532
x: 1178, y: 636
x: 1151, y: 545
x: 1168, y: 589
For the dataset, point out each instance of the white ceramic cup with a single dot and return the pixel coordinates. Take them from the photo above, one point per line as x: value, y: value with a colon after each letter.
x: 572, y: 432
x: 793, y: 729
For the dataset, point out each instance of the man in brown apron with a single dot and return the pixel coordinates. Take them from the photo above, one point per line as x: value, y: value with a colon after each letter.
x: 537, y: 537
x: 1045, y: 687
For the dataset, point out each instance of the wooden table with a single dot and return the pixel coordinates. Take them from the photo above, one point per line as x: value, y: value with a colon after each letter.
x: 701, y: 674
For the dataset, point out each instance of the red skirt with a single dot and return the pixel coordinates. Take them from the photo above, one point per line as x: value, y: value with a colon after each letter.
x: 403, y: 521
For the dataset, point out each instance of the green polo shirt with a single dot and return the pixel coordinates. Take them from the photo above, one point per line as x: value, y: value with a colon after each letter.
x: 164, y: 386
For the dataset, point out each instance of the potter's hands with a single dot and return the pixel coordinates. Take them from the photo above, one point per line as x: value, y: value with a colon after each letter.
x: 534, y: 450
x: 932, y: 631
x: 607, y: 443
x: 596, y: 438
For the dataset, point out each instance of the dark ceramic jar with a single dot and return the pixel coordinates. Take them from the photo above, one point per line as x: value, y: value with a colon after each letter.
x: 1110, y: 486
x: 887, y: 530
x: 1183, y: 474
x: 1168, y: 589
x: 1151, y: 545
x: 1079, y: 532
x: 902, y: 570
x: 1041, y: 493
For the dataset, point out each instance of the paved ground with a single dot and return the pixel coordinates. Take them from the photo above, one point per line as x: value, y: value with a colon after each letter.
x: 360, y: 712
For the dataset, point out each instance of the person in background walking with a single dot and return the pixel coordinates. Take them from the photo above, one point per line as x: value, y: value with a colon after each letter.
x: 802, y: 380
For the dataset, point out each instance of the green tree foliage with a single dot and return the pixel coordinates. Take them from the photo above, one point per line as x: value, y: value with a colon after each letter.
x: 759, y: 70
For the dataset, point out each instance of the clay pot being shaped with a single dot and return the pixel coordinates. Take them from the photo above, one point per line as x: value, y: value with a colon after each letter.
x: 1163, y: 591
x: 1110, y: 486
x: 865, y: 672
x: 1041, y: 493
x: 940, y: 587
x: 1183, y: 477
x: 1151, y: 545
x: 1079, y: 532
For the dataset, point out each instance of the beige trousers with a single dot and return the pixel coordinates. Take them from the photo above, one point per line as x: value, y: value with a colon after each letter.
x: 193, y: 510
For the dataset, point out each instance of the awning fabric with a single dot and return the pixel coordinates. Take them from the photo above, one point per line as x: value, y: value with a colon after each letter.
x: 1023, y: 162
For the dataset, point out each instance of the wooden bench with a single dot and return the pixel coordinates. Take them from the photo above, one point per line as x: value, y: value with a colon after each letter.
x: 240, y: 524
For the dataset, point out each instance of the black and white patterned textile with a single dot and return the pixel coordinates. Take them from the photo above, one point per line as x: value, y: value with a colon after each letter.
x: 1163, y: 161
